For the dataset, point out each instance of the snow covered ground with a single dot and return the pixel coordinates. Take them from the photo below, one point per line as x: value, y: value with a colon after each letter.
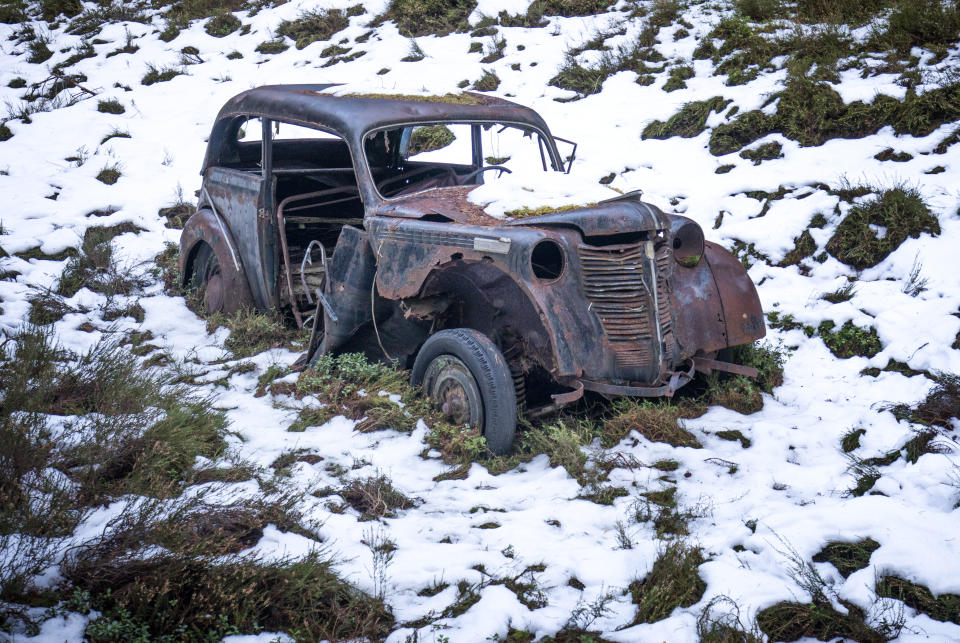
x: 788, y: 489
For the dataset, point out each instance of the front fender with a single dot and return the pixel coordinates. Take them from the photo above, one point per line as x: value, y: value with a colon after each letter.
x: 738, y: 295
x: 205, y: 227
x: 716, y: 303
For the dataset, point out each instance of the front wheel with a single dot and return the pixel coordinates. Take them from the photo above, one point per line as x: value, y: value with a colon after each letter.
x: 465, y: 375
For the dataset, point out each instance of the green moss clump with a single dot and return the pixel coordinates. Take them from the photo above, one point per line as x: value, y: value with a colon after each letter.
x: 735, y: 435
x: 688, y: 122
x: 945, y: 607
x: 159, y: 75
x: 453, y: 99
x: 847, y: 557
x: 272, y: 47
x: 5, y: 133
x: 430, y: 137
x: 488, y: 82
x: 678, y: 77
x: 520, y: 213
x: 803, y: 246
x: 111, y: 106
x: 900, y: 210
x: 424, y: 17
x: 765, y: 152
x: 312, y: 26
x: 849, y: 339
x: 745, y: 129
x: 222, y: 25
x: 109, y: 175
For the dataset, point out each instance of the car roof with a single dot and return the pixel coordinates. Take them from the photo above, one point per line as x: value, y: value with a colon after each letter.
x: 351, y: 115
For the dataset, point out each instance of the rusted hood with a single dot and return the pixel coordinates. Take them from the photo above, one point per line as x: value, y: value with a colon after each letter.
x: 625, y: 213
x: 449, y: 202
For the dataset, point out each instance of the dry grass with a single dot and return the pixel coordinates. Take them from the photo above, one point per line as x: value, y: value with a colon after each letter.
x: 657, y: 421
x: 196, y: 586
x: 374, y: 497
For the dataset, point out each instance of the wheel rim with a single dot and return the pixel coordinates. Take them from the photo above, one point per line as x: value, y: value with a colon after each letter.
x: 454, y: 391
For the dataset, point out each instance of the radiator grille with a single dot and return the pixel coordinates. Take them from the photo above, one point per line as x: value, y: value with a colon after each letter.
x: 665, y: 265
x: 612, y: 282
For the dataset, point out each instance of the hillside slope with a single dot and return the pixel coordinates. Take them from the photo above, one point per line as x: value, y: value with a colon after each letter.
x: 820, y: 147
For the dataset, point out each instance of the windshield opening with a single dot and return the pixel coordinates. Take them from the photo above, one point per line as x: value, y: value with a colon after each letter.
x: 410, y: 158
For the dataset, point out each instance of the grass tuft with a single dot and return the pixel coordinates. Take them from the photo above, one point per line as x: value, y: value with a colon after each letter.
x: 252, y: 332
x: 195, y: 593
x: 312, y: 26
x: 95, y: 267
x: 849, y: 340
x: 111, y: 106
x: 945, y: 607
x: 688, y: 122
x: 222, y: 25
x: 788, y: 621
x: 416, y: 18
x: 745, y: 394
x: 159, y: 74
x: 374, y: 497
x: 920, y: 23
x: 488, y: 81
x: 941, y: 405
x: 847, y: 557
x: 900, y: 212
x: 673, y: 582
x: 765, y: 152
x: 657, y: 421
x: 270, y: 47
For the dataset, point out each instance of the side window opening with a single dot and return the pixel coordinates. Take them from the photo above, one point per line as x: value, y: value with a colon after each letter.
x: 315, y: 196
x: 411, y: 158
x: 245, y: 151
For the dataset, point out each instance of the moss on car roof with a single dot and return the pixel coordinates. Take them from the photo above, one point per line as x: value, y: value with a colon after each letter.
x: 455, y: 99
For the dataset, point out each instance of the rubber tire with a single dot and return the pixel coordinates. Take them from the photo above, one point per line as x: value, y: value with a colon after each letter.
x: 490, y: 371
x: 204, y: 262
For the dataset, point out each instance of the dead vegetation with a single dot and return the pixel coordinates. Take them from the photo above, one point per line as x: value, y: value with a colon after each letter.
x: 162, y: 567
x: 939, y: 408
x: 374, y: 497
x: 196, y: 585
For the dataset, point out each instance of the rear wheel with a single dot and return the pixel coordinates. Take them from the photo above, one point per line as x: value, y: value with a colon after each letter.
x: 207, y: 279
x: 466, y: 376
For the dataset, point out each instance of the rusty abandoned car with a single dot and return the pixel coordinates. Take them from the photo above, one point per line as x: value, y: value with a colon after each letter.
x: 352, y: 212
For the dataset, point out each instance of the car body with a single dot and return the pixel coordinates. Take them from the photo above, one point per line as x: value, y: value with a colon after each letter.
x: 616, y: 297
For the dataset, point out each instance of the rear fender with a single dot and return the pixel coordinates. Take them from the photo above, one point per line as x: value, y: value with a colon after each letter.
x: 204, y: 226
